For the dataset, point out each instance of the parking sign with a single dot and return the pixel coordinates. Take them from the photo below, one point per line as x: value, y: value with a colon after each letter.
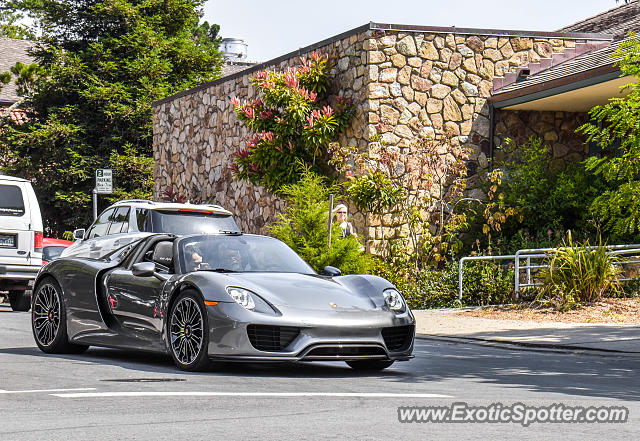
x: 104, y: 180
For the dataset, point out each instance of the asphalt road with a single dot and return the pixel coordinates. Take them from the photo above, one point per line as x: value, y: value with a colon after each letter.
x: 115, y: 395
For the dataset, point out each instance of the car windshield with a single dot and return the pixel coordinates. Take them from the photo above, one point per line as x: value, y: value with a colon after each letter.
x: 185, y: 222
x: 239, y: 253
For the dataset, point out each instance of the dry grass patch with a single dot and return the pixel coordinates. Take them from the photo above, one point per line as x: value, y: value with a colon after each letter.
x: 604, y: 311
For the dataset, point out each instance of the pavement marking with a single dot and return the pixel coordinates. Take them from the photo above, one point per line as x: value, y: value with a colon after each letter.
x: 249, y: 394
x: 32, y: 391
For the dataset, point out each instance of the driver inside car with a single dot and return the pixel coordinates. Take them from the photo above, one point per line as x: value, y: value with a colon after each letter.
x: 194, y: 259
x: 231, y: 259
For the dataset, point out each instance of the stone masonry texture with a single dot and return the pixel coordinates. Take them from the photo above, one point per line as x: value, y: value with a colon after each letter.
x: 411, y: 81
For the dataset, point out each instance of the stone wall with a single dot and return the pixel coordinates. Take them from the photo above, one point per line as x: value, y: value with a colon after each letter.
x: 424, y: 81
x: 440, y: 82
x: 443, y: 81
x: 195, y: 135
x: 557, y: 129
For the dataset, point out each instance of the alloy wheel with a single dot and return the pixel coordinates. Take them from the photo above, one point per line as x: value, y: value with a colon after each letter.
x: 186, y: 330
x: 46, y: 314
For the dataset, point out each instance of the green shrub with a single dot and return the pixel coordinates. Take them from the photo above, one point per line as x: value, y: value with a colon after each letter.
x: 614, y: 127
x: 630, y: 288
x: 544, y: 198
x: 485, y: 283
x: 579, y: 273
x: 293, y: 120
x: 303, y: 227
x: 423, y: 189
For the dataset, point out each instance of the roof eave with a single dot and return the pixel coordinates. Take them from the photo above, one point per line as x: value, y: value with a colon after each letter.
x: 490, y: 32
x: 555, y: 87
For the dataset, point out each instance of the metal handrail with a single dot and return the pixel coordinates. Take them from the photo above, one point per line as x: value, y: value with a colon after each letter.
x: 542, y: 252
x: 536, y: 253
x: 464, y: 259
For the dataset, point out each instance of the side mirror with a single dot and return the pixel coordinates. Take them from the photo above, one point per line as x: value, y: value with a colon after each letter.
x: 331, y: 271
x: 78, y: 234
x: 143, y: 269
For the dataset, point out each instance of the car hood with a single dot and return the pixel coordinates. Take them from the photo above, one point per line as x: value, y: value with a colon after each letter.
x: 303, y: 291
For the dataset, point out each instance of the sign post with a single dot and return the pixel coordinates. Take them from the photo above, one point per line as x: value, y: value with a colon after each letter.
x: 95, y: 204
x: 104, y: 185
x: 330, y: 220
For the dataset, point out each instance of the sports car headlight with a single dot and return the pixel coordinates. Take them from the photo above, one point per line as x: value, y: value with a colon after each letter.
x: 394, y: 300
x: 243, y: 297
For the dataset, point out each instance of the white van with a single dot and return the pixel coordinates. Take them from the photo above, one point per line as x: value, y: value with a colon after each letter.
x: 20, y: 240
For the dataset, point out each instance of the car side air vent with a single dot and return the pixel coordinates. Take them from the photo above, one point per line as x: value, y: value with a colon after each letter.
x: 398, y: 338
x: 271, y: 338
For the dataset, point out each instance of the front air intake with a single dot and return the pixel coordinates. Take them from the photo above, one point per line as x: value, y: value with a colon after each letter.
x: 398, y: 338
x: 344, y: 351
x: 271, y: 338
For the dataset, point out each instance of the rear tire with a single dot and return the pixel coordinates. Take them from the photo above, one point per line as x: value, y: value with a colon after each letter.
x: 49, y: 320
x: 188, y: 332
x: 369, y: 365
x: 20, y: 300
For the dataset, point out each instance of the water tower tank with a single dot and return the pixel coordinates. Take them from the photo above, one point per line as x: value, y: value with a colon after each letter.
x: 233, y: 49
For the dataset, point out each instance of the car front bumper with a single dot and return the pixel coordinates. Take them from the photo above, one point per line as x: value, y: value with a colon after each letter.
x: 323, y: 337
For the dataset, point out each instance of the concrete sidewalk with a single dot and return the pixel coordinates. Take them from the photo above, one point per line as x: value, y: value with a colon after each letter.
x: 448, y: 323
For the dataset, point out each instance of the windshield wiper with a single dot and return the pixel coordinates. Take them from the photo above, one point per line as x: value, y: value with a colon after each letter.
x: 219, y: 270
x: 231, y: 232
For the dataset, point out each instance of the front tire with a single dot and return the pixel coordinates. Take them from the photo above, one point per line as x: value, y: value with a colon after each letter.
x: 189, y: 332
x: 369, y: 365
x: 49, y: 320
x: 19, y: 300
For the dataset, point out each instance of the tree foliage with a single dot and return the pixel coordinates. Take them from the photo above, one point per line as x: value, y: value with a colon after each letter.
x: 11, y: 22
x: 292, y: 121
x: 618, y: 121
x: 536, y: 197
x: 101, y: 63
x: 304, y: 227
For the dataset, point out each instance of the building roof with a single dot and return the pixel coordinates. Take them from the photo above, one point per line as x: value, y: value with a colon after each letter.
x: 12, y: 51
x: 16, y: 115
x: 385, y: 27
x: 597, y: 62
x: 617, y: 21
x: 235, y: 67
x: 588, y: 69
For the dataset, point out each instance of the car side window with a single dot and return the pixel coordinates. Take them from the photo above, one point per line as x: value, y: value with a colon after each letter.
x: 142, y: 219
x: 163, y: 256
x: 160, y: 253
x: 101, y: 225
x: 120, y: 220
x: 11, y: 201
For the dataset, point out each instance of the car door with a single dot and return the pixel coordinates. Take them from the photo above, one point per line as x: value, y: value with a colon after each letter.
x: 113, y: 225
x: 136, y: 301
x: 82, y: 280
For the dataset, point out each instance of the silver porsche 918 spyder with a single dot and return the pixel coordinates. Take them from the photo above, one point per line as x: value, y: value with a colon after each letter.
x: 217, y: 297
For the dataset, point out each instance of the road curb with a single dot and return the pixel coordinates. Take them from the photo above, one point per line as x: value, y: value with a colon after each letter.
x: 526, y: 345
